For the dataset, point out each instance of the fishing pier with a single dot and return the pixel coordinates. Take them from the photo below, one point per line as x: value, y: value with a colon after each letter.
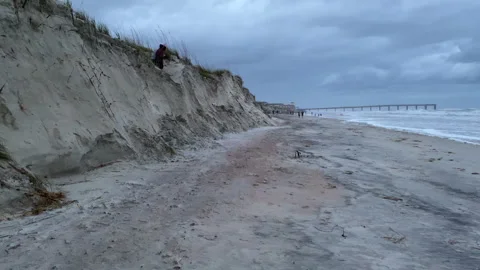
x: 379, y: 107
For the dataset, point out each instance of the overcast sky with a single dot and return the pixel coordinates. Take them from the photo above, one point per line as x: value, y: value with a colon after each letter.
x: 322, y: 52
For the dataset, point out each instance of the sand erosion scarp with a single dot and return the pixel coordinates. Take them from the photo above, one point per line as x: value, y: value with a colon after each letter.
x: 74, y: 99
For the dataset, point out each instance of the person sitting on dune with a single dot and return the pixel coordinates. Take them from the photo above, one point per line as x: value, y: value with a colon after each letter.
x: 159, y: 55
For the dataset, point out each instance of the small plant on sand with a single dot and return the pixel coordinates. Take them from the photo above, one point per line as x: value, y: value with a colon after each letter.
x: 170, y: 150
x: 42, y: 198
x: 45, y: 200
x: 240, y: 80
x: 92, y: 23
x: 170, y: 53
x: 4, y: 155
x: 69, y: 7
x: 81, y: 15
x: 117, y: 35
x: 211, y: 73
x: 221, y: 72
x: 205, y: 72
x: 134, y: 41
x: 68, y: 4
x: 102, y: 28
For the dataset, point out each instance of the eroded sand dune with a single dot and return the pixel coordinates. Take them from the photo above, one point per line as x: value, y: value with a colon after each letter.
x: 74, y: 99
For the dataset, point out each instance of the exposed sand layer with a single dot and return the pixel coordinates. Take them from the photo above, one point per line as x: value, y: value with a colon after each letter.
x: 358, y: 197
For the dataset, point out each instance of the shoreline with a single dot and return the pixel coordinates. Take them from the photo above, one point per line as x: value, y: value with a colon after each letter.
x: 399, y: 129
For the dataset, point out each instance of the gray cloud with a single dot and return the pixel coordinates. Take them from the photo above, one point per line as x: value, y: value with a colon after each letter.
x: 321, y: 52
x: 468, y: 53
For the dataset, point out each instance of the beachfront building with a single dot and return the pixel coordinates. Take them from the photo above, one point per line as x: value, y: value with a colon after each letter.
x: 270, y: 108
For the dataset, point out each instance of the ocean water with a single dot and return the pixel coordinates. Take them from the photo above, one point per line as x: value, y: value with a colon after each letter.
x: 456, y: 124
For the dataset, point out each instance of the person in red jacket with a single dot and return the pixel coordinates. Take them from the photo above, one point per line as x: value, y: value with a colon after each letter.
x: 159, y: 56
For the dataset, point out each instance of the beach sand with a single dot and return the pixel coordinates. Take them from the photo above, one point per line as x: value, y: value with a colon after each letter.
x: 358, y: 197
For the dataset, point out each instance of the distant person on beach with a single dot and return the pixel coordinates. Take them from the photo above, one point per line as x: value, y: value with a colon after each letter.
x: 302, y: 113
x: 298, y: 114
x: 159, y: 56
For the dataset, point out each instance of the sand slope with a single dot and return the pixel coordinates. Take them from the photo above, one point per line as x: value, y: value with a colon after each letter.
x: 72, y: 101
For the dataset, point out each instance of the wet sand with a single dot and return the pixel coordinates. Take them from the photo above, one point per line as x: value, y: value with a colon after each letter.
x: 358, y: 197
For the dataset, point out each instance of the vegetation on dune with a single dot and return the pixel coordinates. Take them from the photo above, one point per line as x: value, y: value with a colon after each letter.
x: 4, y: 155
x: 175, y: 48
x: 42, y: 198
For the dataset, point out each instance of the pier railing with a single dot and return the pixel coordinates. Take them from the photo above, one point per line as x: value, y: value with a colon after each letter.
x: 371, y: 107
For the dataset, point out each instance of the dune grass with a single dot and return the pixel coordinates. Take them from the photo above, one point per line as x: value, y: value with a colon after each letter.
x: 176, y: 48
x: 4, y: 155
x: 68, y: 4
x: 103, y: 28
x: 211, y: 72
x: 46, y: 200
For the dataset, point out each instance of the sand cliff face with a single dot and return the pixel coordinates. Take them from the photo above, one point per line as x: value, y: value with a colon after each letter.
x: 72, y: 101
